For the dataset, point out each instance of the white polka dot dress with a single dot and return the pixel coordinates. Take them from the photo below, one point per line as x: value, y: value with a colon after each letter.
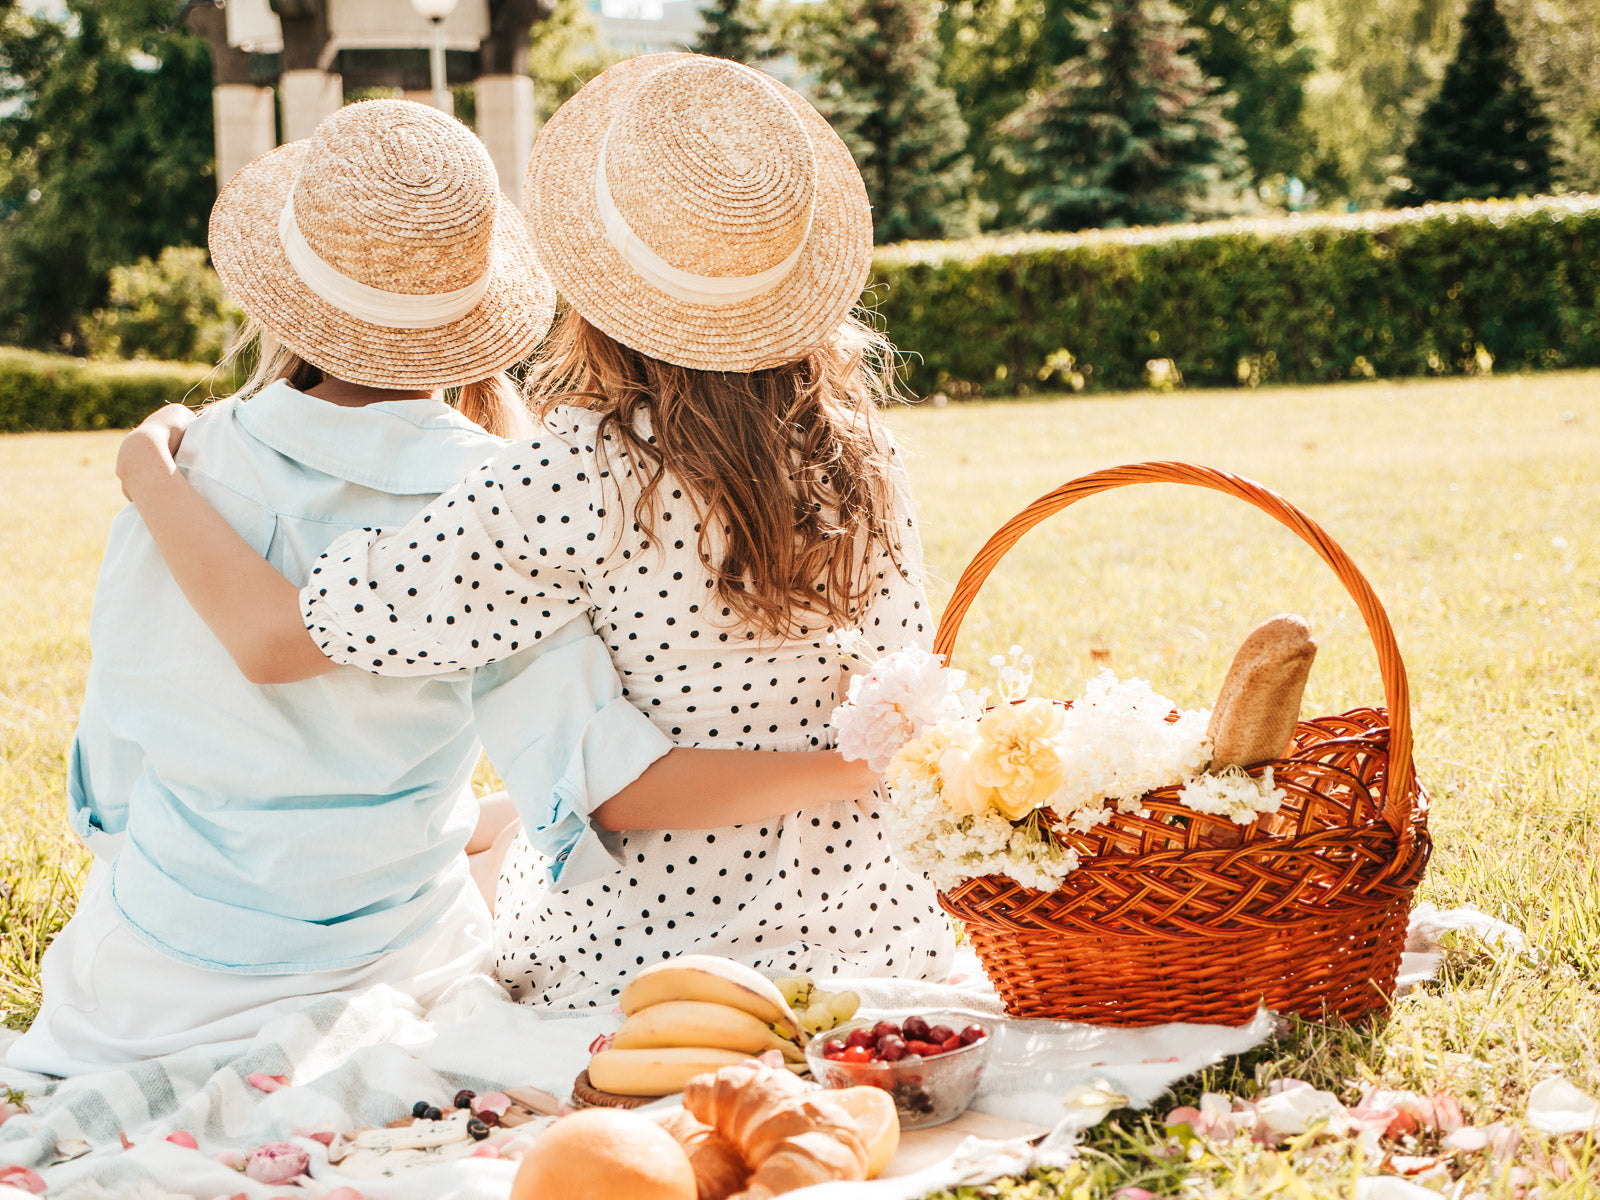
x: 543, y: 534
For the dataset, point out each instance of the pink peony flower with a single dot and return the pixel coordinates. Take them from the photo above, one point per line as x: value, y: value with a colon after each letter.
x: 276, y: 1162
x: 889, y: 704
x: 23, y: 1179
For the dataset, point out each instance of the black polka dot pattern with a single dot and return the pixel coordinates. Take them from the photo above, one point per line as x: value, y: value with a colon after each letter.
x: 542, y: 535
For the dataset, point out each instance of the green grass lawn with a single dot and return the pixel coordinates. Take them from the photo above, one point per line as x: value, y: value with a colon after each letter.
x: 1473, y: 507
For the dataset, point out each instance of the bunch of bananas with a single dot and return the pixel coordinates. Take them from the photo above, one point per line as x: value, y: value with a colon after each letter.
x: 690, y: 1015
x: 817, y: 1011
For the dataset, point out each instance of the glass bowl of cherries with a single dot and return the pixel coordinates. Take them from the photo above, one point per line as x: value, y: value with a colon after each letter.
x: 929, y: 1062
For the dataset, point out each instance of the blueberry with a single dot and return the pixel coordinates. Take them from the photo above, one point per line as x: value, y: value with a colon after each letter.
x: 434, y: 1114
x: 477, y: 1129
x: 464, y: 1098
x: 419, y: 1109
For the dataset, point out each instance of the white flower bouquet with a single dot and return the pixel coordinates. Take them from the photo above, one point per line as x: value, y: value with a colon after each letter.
x: 976, y: 790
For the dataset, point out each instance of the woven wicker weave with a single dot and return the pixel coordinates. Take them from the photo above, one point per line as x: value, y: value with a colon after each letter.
x: 1180, y: 916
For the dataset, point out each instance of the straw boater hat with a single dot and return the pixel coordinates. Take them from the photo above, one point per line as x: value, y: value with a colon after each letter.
x: 381, y: 250
x: 700, y: 212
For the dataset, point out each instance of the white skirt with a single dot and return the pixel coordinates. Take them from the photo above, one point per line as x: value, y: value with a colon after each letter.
x: 111, y: 999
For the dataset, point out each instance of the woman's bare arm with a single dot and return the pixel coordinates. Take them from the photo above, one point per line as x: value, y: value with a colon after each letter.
x: 695, y: 788
x: 253, y: 610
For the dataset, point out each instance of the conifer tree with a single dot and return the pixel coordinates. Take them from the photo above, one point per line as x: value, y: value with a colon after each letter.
x: 877, y: 63
x: 1129, y: 133
x: 1485, y: 133
x: 730, y: 29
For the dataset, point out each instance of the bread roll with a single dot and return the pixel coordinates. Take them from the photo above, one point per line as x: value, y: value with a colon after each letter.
x: 1256, y: 712
x: 605, y: 1154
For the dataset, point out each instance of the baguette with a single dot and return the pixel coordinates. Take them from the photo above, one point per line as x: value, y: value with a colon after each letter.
x: 1258, y: 708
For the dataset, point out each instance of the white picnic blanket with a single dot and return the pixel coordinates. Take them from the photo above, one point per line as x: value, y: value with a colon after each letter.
x: 362, y: 1061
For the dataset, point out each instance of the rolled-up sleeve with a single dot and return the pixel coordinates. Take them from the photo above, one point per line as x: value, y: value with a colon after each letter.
x: 492, y: 567
x: 556, y: 726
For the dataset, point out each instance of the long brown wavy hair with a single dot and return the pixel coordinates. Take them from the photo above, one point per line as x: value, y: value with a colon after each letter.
x: 789, y: 464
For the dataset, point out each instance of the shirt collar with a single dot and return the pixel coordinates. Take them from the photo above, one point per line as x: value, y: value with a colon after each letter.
x: 402, y: 447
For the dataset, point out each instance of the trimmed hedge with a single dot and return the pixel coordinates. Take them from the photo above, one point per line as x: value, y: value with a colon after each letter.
x: 1437, y: 290
x: 53, y: 392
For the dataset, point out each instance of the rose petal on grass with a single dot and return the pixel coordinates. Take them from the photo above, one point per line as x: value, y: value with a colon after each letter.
x: 1392, y: 1187
x: 1291, y: 1109
x: 23, y: 1179
x: 1555, y: 1106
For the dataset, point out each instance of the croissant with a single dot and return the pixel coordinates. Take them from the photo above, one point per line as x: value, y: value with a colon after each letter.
x: 719, y: 1168
x: 788, y: 1136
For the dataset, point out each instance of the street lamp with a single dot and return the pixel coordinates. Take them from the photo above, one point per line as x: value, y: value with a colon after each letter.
x: 436, y: 11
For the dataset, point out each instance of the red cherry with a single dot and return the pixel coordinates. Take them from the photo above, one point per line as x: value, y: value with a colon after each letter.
x: 915, y: 1029
x: 953, y: 1042
x: 832, y: 1048
x: 973, y: 1033
x: 939, y: 1034
x: 860, y: 1037
x: 883, y: 1029
x: 892, y: 1049
x: 856, y: 1054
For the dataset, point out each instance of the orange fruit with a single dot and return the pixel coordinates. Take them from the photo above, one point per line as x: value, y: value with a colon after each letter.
x: 605, y: 1154
x: 873, y: 1110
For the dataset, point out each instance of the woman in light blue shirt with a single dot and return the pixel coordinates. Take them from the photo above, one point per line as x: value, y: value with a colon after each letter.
x: 260, y: 844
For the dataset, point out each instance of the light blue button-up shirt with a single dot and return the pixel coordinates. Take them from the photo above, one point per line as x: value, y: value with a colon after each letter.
x: 319, y: 825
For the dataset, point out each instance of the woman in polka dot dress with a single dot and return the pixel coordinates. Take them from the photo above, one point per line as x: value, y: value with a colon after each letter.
x: 714, y: 491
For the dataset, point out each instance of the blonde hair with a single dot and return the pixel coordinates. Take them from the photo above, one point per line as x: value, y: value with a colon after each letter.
x: 494, y: 403
x: 788, y: 464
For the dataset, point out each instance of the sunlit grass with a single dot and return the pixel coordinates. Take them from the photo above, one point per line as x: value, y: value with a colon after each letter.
x: 1473, y: 507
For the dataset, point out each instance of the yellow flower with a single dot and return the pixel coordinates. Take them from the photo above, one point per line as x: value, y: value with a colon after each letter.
x: 1016, y: 760
x: 940, y: 757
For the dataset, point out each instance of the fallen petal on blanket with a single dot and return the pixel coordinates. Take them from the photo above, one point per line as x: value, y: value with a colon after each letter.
x: 232, y: 1159
x: 344, y: 1193
x: 21, y: 1177
x: 276, y: 1162
x: 268, y: 1083
x: 183, y: 1137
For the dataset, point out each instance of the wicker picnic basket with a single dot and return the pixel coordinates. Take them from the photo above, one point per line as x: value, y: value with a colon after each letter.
x: 1180, y: 916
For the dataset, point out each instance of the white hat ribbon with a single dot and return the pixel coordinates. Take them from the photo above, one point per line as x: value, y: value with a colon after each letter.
x: 715, y: 290
x: 393, y: 310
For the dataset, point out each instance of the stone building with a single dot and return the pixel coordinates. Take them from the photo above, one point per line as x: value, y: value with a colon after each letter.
x: 283, y: 65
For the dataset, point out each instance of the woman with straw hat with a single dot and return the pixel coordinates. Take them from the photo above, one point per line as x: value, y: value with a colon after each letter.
x: 260, y: 847
x: 713, y: 488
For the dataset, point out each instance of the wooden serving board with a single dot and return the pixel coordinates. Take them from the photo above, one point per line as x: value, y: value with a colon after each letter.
x: 920, y: 1148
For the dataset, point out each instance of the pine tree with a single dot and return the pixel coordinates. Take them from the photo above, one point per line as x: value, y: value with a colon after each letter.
x: 1485, y: 133
x: 1254, y: 50
x: 1130, y: 133
x: 877, y: 61
x: 729, y: 29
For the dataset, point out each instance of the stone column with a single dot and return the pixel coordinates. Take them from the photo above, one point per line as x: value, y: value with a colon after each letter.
x: 243, y: 116
x: 308, y: 89
x: 504, y: 90
x: 246, y: 126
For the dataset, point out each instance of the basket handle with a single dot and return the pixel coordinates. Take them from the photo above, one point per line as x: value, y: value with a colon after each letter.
x: 1399, y: 797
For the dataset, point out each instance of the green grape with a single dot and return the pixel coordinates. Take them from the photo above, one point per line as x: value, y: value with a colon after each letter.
x: 817, y: 1018
x: 843, y: 1005
x: 790, y: 986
